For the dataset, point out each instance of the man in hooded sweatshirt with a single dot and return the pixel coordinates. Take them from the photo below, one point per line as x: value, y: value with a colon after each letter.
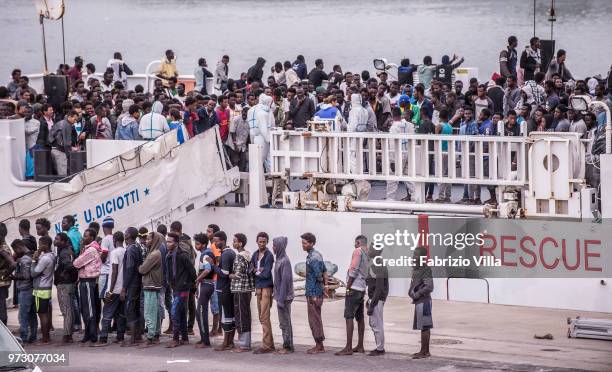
x: 43, y: 264
x: 128, y: 128
x: 89, y: 264
x: 28, y: 323
x: 283, y: 292
x: 153, y: 124
x: 152, y: 280
x: 255, y: 72
x: 261, y: 118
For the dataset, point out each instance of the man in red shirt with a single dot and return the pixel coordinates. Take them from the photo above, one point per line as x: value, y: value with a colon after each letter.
x: 223, y: 113
x: 75, y: 73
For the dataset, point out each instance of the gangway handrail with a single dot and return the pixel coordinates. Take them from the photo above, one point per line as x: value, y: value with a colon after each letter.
x: 329, y: 155
x: 166, y: 142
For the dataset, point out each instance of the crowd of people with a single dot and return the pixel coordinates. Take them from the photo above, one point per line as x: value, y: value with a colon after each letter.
x: 124, y: 283
x: 524, y: 94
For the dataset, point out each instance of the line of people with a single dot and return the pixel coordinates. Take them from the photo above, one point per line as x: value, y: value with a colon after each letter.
x: 124, y: 282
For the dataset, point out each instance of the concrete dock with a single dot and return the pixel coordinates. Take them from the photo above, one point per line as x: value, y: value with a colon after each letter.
x: 466, y: 336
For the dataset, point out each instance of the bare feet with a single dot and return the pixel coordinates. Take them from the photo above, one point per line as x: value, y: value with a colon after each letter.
x: 283, y: 351
x: 201, y: 345
x: 420, y: 355
x: 316, y: 350
x: 238, y: 349
x: 358, y: 349
x: 262, y: 350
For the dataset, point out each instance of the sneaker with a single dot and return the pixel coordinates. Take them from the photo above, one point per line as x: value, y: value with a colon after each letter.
x: 376, y: 352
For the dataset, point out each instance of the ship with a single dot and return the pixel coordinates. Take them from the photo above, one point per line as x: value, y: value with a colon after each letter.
x: 548, y: 238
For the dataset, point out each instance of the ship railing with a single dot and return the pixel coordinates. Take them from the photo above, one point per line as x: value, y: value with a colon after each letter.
x: 418, y: 158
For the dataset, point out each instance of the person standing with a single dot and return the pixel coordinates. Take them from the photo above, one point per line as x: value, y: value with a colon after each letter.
x: 291, y: 77
x: 316, y: 286
x: 557, y: 67
x: 283, y: 292
x: 242, y: 285
x: 531, y: 59
x: 255, y: 72
x: 62, y: 142
x: 28, y: 323
x: 114, y: 307
x: 107, y: 245
x: 444, y: 189
x: 152, y: 280
x: 89, y: 264
x: 43, y: 264
x: 355, y: 293
x: 186, y: 246
x: 508, y: 58
x: 301, y: 109
x: 206, y: 287
x: 24, y: 232
x: 420, y: 290
x: 69, y: 226
x: 261, y: 119
x: 132, y: 285
x: 426, y: 72
x: 66, y: 277
x: 512, y: 94
x: 316, y: 76
x: 226, y: 299
x: 399, y: 126
x: 120, y: 69
x: 377, y: 282
x: 167, y: 68
x: 7, y: 265
x: 181, y: 277
x: 214, y: 299
x: 221, y: 74
x: 201, y: 73
x: 300, y: 67
x: 153, y: 124
x: 263, y: 262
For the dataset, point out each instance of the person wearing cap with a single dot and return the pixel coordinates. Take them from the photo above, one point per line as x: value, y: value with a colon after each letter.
x: 107, y: 245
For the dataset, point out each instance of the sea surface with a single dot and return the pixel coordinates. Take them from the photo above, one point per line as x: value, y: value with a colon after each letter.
x: 346, y: 32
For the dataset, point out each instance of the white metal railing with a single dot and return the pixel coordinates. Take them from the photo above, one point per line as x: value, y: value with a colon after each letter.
x: 497, y: 161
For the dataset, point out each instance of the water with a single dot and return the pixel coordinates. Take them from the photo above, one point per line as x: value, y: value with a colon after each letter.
x: 346, y: 32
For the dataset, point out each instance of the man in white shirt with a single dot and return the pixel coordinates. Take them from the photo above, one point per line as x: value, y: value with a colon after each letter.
x: 107, y: 244
x: 399, y: 126
x: 291, y: 77
x: 114, y: 306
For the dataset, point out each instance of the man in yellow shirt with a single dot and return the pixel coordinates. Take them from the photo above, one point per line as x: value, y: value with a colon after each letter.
x: 167, y: 69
